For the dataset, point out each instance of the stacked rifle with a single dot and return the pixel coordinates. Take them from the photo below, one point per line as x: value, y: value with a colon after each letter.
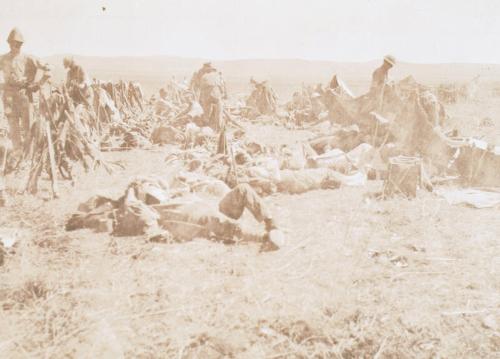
x: 61, y: 135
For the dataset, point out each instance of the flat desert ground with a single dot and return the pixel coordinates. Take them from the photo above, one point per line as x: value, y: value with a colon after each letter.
x: 357, y: 277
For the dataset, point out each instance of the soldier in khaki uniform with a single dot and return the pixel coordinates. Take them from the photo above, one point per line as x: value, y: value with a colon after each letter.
x: 77, y: 82
x: 374, y: 99
x: 381, y: 75
x: 184, y: 209
x: 211, y: 99
x: 20, y: 73
x: 195, y: 84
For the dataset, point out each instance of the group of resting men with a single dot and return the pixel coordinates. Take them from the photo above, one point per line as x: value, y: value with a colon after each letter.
x: 22, y: 83
x: 203, y: 200
x: 199, y: 203
x: 174, y: 207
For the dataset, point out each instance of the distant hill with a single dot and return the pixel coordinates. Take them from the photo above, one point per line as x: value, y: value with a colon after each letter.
x: 286, y: 76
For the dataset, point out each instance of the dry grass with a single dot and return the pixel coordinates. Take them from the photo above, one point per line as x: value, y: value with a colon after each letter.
x: 390, y: 274
x: 358, y: 278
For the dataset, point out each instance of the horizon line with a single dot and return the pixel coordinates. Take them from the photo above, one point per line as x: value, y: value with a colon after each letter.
x: 404, y: 62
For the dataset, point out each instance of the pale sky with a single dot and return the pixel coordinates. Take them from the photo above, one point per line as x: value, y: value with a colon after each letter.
x: 426, y: 31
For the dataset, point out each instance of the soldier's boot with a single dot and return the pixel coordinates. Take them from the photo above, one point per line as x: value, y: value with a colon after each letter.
x: 274, y: 238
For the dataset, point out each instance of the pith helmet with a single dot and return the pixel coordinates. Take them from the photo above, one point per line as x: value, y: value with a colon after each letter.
x: 208, y: 66
x: 390, y: 59
x: 15, y: 35
x: 68, y: 61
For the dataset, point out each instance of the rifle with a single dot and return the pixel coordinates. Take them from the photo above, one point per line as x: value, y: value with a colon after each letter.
x: 52, y: 159
x: 232, y: 166
x: 230, y: 119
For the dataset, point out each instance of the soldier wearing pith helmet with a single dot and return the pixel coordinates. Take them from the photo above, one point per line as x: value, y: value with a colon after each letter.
x: 381, y: 75
x: 20, y: 75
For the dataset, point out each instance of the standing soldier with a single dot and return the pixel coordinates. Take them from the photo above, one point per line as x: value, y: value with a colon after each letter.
x: 211, y: 96
x: 77, y: 82
x: 20, y: 72
x: 374, y: 99
x: 195, y: 84
x: 223, y: 86
x: 381, y: 75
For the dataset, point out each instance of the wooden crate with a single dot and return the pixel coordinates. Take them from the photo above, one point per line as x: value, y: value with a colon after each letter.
x: 404, y: 176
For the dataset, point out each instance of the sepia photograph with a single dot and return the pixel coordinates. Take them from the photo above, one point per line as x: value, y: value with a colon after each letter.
x: 275, y: 179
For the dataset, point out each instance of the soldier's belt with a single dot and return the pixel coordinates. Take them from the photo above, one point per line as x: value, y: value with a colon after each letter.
x: 10, y: 87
